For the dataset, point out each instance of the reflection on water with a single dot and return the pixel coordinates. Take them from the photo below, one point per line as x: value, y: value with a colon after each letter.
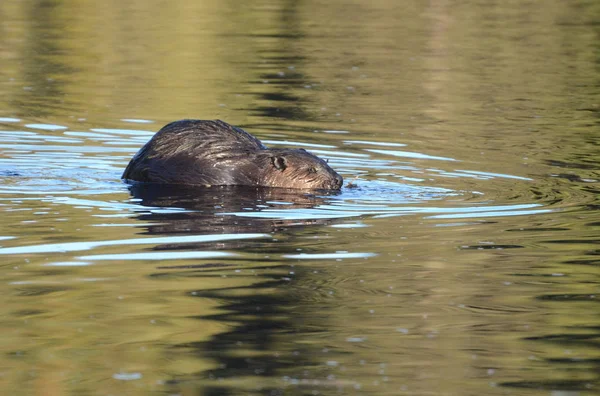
x: 460, y: 258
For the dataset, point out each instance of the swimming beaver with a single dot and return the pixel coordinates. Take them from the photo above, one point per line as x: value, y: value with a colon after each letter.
x: 198, y: 152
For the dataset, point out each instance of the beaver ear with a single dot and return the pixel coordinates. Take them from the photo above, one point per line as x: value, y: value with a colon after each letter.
x: 279, y: 163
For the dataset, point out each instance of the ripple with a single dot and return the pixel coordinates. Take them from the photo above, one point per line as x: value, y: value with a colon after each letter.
x: 326, y: 256
x: 294, y: 214
x: 47, y: 127
x: 515, y: 210
x: 127, y: 132
x: 68, y: 264
x: 157, y: 256
x: 350, y: 225
x: 79, y: 246
x: 299, y: 144
x: 336, y: 131
x: 385, y: 144
x: 409, y: 154
x: 492, y: 175
x: 137, y: 120
x: 127, y: 376
x: 338, y: 154
x: 79, y: 149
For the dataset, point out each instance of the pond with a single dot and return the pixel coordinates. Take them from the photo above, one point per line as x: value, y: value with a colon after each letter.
x: 459, y: 258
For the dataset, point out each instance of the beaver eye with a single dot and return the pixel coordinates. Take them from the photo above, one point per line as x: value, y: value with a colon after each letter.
x: 312, y: 169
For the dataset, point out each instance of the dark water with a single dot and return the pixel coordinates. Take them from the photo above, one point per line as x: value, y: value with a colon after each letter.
x: 463, y: 262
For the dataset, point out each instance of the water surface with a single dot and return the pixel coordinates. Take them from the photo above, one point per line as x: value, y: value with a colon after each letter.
x: 462, y: 258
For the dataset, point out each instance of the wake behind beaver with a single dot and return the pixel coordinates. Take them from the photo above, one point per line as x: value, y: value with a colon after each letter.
x: 207, y: 153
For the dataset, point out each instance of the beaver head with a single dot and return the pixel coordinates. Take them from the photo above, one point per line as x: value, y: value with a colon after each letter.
x: 295, y: 168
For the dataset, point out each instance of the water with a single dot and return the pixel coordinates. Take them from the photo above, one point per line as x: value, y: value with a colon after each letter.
x: 461, y: 260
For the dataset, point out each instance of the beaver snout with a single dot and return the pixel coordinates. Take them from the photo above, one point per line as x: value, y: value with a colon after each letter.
x: 336, y: 183
x: 339, y: 182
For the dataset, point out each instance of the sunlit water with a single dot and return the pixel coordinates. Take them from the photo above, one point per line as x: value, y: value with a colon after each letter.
x: 460, y: 258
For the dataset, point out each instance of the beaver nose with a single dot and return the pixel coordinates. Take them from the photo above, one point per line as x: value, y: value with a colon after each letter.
x: 339, y: 181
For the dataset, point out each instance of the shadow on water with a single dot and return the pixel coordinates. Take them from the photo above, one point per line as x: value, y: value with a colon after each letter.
x: 209, y: 210
x: 262, y: 314
x: 259, y: 341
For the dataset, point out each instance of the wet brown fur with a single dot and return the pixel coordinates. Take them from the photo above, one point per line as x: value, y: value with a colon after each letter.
x: 198, y: 152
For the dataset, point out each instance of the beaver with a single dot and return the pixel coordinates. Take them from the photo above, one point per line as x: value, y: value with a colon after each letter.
x: 201, y: 152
